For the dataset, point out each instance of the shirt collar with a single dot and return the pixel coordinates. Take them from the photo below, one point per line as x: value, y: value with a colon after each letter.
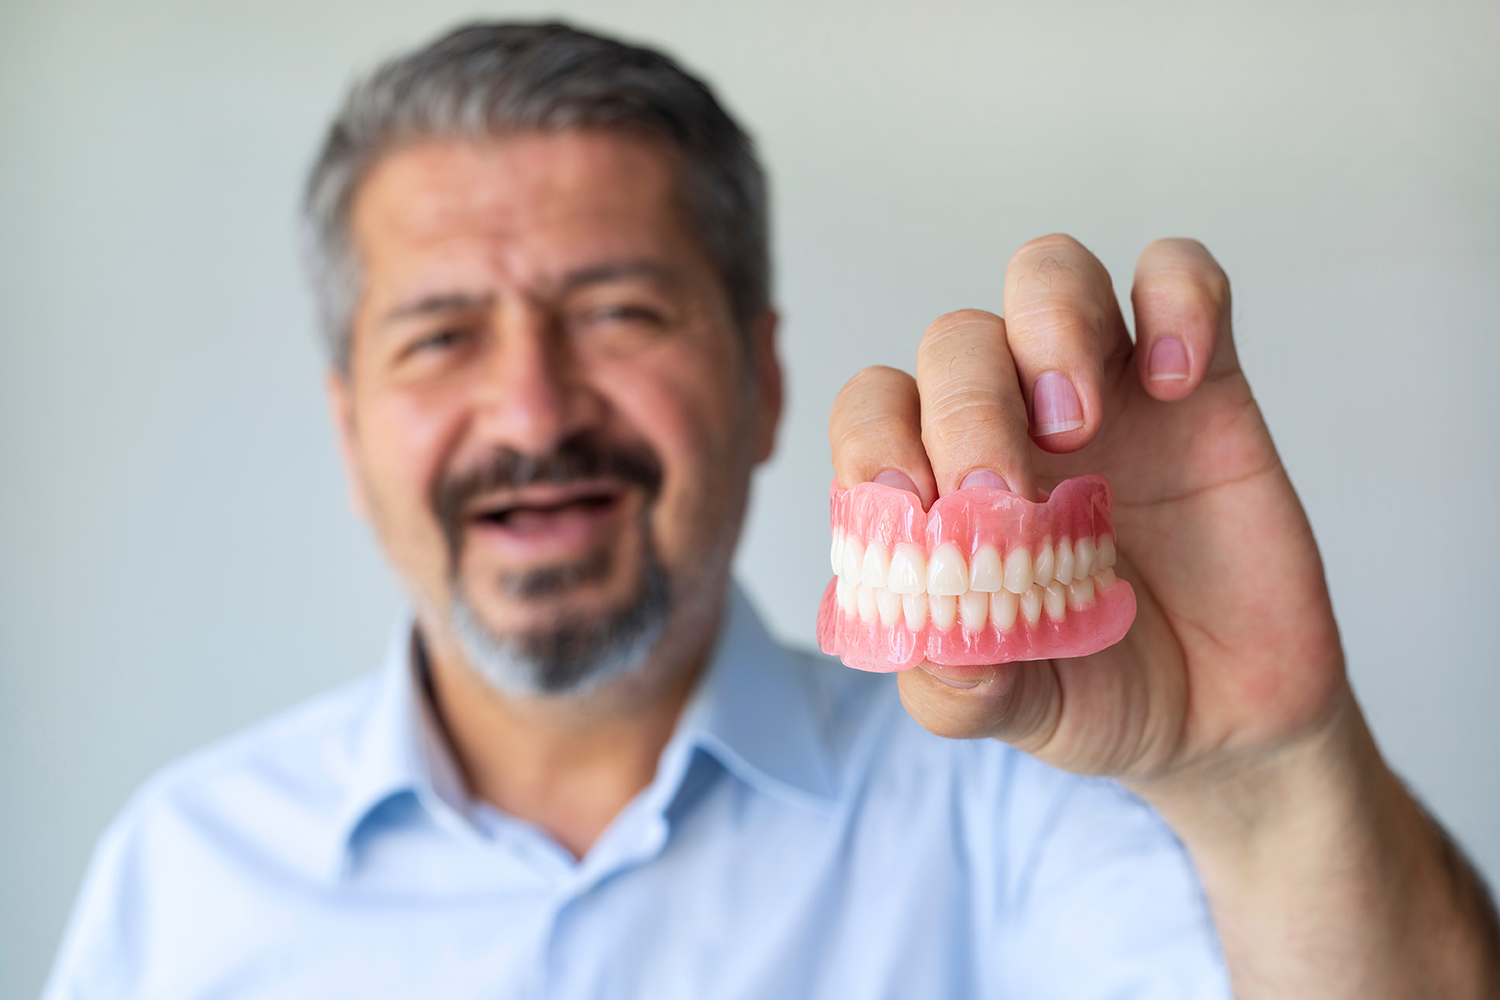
x: 752, y: 711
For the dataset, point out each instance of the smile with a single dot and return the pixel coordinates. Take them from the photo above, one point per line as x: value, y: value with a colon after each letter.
x: 984, y: 577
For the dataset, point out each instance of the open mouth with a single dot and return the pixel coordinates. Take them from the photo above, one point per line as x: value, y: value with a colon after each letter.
x: 547, y: 509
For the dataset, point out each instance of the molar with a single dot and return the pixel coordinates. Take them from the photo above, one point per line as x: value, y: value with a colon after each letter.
x: 947, y: 575
x: 1063, y: 571
x: 888, y: 603
x: 1080, y: 594
x: 1041, y: 572
x: 986, y: 574
x: 1018, y: 570
x: 1003, y: 605
x: 974, y: 609
x: 943, y: 608
x: 914, y: 609
x: 1055, y: 601
x: 908, y: 569
x: 1104, y: 578
x: 1106, y: 558
x: 846, y: 596
x: 854, y: 556
x: 836, y: 553
x: 1031, y: 605
x: 1083, y: 558
x: 876, y: 566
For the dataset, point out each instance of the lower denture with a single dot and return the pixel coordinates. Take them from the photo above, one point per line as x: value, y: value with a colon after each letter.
x: 983, y: 577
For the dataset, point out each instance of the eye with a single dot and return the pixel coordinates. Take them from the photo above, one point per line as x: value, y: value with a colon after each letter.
x: 439, y: 341
x: 624, y: 313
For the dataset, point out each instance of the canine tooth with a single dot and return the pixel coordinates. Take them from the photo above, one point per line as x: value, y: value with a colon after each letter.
x: 846, y: 596
x: 1104, y: 578
x: 943, y: 608
x: 1106, y: 557
x: 947, y: 575
x: 1080, y: 594
x: 1063, y: 571
x: 1055, y: 601
x: 908, y: 573
x: 974, y: 609
x: 854, y: 556
x: 914, y: 609
x: 1041, y: 570
x: 986, y: 573
x: 877, y: 565
x: 1031, y: 604
x: 888, y: 603
x: 865, y: 597
x: 1003, y: 605
x: 836, y: 553
x: 1018, y: 570
x: 1083, y: 558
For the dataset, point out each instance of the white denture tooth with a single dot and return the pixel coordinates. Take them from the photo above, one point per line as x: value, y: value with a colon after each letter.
x: 914, y: 609
x: 908, y: 571
x: 877, y: 565
x: 1031, y: 605
x: 1003, y: 605
x: 846, y: 596
x: 1055, y: 601
x: 1104, y: 578
x: 1018, y: 570
x: 1062, y: 572
x: 836, y: 552
x: 1080, y: 594
x: 986, y: 573
x: 947, y: 573
x: 1041, y: 569
x: 888, y: 603
x: 854, y: 557
x: 1083, y: 558
x: 974, y: 609
x: 942, y: 609
x: 865, y: 598
x: 1106, y: 547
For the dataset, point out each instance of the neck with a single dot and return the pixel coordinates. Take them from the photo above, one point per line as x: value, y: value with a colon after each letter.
x: 569, y: 765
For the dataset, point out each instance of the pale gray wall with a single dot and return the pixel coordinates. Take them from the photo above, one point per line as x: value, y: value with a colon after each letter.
x: 176, y: 559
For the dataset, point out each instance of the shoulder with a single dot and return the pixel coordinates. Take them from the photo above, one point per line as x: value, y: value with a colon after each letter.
x: 250, y: 807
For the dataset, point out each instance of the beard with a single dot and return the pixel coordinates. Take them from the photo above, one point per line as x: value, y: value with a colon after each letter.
x: 575, y: 652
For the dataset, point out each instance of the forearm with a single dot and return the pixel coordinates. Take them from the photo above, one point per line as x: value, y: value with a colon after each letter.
x: 1328, y: 880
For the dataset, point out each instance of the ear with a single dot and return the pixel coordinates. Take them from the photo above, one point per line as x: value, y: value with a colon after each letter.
x: 341, y: 409
x: 768, y: 383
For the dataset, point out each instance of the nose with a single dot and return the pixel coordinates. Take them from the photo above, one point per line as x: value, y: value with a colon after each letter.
x: 534, y: 393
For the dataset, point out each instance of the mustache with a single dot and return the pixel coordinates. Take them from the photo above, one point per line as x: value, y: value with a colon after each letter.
x: 581, y: 457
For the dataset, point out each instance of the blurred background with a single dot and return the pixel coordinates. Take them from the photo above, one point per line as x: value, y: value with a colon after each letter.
x: 177, y: 558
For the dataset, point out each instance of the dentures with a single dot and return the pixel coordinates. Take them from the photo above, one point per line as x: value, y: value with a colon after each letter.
x: 984, y: 577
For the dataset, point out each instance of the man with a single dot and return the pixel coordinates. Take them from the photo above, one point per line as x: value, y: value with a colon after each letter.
x: 586, y: 771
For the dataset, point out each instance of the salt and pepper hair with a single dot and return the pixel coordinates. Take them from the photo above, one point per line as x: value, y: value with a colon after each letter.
x: 491, y: 80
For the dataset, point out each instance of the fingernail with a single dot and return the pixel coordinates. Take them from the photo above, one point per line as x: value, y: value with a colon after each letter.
x: 961, y: 685
x: 1054, y: 405
x: 1168, y: 361
x: 897, y: 479
x: 986, y: 478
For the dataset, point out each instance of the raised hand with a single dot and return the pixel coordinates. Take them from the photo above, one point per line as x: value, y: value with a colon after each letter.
x: 1227, y: 704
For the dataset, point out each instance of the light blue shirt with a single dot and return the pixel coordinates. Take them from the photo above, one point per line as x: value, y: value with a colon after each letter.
x: 803, y: 837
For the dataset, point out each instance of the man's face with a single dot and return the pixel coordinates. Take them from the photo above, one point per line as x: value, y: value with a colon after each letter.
x: 549, y: 417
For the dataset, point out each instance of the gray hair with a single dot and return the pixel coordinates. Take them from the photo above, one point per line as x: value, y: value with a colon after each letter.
x: 486, y: 80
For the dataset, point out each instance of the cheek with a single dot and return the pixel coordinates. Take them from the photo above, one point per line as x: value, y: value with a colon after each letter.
x: 404, y: 441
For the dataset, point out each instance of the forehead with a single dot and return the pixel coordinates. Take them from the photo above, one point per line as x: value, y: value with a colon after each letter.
x: 525, y: 202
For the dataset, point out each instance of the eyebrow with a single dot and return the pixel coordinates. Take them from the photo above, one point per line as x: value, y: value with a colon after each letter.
x: 594, y: 274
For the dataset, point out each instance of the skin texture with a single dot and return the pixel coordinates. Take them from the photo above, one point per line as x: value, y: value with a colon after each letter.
x: 1227, y: 705
x: 519, y: 292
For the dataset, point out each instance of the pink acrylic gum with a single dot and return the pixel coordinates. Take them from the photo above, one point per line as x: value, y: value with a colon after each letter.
x: 983, y: 577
